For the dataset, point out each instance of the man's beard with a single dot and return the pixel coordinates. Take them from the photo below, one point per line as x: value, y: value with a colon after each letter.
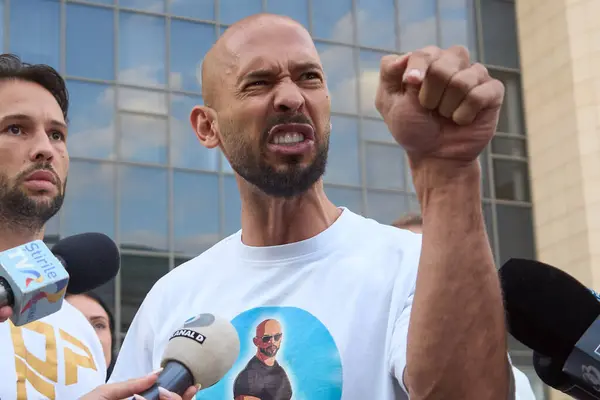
x: 287, y: 184
x: 19, y: 211
x: 269, y: 351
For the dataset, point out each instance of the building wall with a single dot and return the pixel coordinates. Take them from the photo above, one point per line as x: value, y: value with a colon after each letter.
x: 560, y: 57
x: 139, y: 175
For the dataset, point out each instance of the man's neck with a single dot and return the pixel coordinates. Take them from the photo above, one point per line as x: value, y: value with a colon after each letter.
x: 270, y: 221
x: 270, y: 361
x: 10, y: 238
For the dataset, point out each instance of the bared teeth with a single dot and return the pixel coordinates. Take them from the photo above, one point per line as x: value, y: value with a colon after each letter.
x: 288, y: 138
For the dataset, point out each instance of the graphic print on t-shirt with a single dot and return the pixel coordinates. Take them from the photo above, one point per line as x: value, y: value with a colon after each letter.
x: 285, y: 353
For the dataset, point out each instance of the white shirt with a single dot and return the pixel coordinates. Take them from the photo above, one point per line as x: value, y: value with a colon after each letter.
x: 57, y: 357
x: 342, y: 300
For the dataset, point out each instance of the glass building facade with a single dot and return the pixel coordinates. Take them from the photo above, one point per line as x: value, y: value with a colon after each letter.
x: 139, y: 175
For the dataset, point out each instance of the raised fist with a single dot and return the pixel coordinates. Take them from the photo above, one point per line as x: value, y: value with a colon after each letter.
x: 438, y: 105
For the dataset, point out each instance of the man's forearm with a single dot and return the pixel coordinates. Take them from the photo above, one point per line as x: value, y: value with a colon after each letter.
x: 456, y: 339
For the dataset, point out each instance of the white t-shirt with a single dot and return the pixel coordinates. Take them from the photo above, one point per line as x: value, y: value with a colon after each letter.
x: 58, y: 358
x: 341, y: 303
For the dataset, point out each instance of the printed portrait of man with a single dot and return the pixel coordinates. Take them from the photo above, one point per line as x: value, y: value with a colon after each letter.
x: 263, y: 378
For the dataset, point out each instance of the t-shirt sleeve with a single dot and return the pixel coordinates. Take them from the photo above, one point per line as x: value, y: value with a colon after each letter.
x: 522, y: 386
x: 399, y: 342
x: 135, y: 355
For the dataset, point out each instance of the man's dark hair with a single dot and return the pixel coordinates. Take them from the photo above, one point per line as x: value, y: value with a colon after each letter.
x: 12, y: 68
x: 408, y: 220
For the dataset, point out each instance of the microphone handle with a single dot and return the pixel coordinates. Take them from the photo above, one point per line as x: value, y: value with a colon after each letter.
x: 7, y: 297
x: 175, y: 377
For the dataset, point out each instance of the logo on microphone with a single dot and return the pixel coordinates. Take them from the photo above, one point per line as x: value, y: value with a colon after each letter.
x: 191, y: 334
x: 592, y: 376
x: 61, y: 287
x: 37, y: 276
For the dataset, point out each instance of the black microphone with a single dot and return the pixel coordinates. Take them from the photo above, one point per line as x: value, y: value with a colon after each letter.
x: 555, y: 315
x: 91, y: 259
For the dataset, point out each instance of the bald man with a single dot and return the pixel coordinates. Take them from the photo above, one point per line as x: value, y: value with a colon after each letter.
x: 263, y: 378
x: 347, y: 282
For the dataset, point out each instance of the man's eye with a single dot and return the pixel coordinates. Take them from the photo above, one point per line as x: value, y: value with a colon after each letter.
x: 58, y: 136
x: 311, y: 76
x: 257, y: 83
x: 15, y: 129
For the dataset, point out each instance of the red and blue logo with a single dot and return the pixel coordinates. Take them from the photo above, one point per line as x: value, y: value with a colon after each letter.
x: 61, y: 287
x: 37, y: 277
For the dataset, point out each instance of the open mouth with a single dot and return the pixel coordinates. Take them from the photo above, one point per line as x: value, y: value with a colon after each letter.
x: 291, y: 134
x: 288, y: 138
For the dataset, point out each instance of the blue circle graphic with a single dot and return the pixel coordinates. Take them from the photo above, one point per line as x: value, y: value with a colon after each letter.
x: 307, y: 354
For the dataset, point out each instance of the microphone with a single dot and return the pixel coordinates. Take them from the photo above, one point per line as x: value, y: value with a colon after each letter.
x: 31, y: 273
x: 91, y: 259
x: 201, y: 352
x: 555, y: 315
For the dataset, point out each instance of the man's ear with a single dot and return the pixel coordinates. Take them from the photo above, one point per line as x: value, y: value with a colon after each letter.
x: 205, y: 124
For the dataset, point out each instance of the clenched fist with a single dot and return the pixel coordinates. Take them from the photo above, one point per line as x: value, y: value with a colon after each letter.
x: 438, y: 105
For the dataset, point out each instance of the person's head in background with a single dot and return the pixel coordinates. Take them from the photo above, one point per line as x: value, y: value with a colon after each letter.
x: 99, y: 315
x: 412, y: 222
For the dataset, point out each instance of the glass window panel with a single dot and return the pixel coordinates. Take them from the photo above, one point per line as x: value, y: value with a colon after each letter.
x: 232, y: 204
x: 485, y: 172
x: 343, y: 197
x: 143, y: 208
x: 143, y: 138
x: 185, y: 64
x: 516, y: 147
x: 141, y: 49
x: 35, y: 31
x: 186, y: 150
x: 178, y: 261
x: 338, y: 63
x: 2, y: 50
x: 51, y: 232
x: 296, y: 9
x: 376, y: 23
x: 343, y: 163
x: 90, y: 199
x: 225, y: 166
x: 511, y: 118
x: 101, y: 1
x: 511, y: 180
x: 138, y: 275
x: 157, y: 6
x: 332, y: 20
x: 512, y: 220
x: 92, y: 126
x: 418, y: 26
x: 386, y: 207
x: 369, y: 80
x: 90, y: 42
x: 385, y: 166
x: 376, y: 131
x: 195, y: 211
x: 222, y: 30
x: 107, y: 293
x: 457, y: 24
x: 412, y: 204
x: 144, y: 101
x: 231, y: 11
x: 200, y: 9
x: 498, y: 20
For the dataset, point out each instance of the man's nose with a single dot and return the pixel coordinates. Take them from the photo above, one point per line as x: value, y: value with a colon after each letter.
x: 42, y: 149
x: 288, y: 98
